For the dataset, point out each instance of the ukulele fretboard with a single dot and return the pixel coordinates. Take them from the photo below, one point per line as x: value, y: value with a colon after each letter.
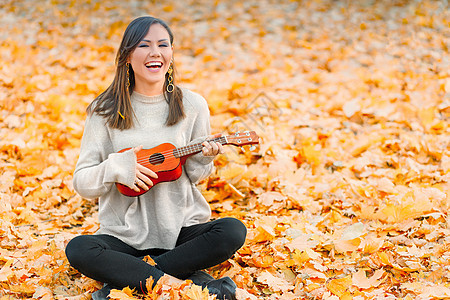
x: 195, y: 148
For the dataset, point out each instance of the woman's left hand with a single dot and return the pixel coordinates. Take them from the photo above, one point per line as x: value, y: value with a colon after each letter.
x: 211, y: 148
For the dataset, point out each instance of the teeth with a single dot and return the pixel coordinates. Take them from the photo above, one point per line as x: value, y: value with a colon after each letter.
x: 154, y: 64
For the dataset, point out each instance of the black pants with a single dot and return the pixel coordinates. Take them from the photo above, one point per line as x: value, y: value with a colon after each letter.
x: 109, y: 260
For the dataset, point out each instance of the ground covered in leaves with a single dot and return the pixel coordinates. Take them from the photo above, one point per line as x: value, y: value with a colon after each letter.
x: 346, y: 197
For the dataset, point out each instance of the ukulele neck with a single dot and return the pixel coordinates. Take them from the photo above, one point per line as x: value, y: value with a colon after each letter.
x: 196, y: 148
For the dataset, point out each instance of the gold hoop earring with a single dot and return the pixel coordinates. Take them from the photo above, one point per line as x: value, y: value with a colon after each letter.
x: 170, y: 87
x: 128, y: 75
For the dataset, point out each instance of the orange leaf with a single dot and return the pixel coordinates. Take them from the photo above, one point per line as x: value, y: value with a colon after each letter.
x: 124, y: 294
x: 149, y: 260
x: 340, y: 286
x: 195, y: 292
x: 264, y: 234
x: 361, y: 281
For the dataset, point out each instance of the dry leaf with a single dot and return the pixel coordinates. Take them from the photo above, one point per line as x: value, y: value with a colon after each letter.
x: 361, y: 281
x: 124, y: 294
x: 274, y: 282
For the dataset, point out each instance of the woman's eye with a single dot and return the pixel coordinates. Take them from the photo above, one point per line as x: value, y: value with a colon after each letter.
x: 164, y: 45
x: 142, y: 45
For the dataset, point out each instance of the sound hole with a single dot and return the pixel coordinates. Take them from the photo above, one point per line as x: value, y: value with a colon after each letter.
x: 156, y: 159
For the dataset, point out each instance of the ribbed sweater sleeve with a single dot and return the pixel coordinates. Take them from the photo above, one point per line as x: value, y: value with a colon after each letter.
x: 98, y: 167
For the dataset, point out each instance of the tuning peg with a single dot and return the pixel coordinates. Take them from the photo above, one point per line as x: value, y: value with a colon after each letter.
x: 242, y: 148
x: 252, y: 148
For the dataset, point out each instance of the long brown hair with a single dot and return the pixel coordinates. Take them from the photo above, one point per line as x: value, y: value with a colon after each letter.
x: 114, y: 103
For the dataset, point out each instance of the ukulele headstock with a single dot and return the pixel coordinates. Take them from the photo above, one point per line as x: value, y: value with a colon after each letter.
x: 243, y: 138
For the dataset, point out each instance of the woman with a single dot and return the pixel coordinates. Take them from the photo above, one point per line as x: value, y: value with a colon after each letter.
x: 143, y: 108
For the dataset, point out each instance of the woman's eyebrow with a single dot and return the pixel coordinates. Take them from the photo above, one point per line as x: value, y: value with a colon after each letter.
x: 148, y: 41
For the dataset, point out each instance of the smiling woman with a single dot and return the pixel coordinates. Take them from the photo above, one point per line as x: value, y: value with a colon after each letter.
x: 148, y: 40
x: 143, y: 107
x: 151, y: 60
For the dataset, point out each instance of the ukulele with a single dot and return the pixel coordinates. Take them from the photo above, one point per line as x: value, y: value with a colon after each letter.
x: 166, y: 160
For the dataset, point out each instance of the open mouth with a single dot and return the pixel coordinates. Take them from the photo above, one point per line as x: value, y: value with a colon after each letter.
x: 154, y: 65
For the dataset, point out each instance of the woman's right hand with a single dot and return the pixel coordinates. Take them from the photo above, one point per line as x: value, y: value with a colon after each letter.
x: 142, y: 180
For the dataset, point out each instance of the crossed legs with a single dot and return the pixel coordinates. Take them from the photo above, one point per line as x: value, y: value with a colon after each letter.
x: 109, y: 260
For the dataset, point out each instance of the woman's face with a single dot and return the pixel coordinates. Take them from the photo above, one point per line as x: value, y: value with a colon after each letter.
x: 151, y: 60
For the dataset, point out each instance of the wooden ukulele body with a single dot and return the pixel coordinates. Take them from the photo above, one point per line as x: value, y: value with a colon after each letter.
x: 160, y: 160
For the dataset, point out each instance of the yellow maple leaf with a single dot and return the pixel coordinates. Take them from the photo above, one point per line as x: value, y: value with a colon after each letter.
x: 124, y: 294
x: 385, y: 258
x: 263, y: 233
x: 195, y: 292
x: 340, y: 286
x: 312, y: 155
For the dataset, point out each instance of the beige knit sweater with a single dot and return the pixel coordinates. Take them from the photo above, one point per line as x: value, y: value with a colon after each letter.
x: 154, y: 219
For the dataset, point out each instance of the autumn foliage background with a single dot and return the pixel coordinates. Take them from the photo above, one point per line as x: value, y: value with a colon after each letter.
x: 347, y: 195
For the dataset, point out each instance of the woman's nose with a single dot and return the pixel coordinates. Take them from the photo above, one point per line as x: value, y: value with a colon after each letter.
x: 154, y: 51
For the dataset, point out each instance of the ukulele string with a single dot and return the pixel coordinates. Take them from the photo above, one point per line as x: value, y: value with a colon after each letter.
x: 168, y: 154
x: 171, y: 156
x: 191, y: 146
